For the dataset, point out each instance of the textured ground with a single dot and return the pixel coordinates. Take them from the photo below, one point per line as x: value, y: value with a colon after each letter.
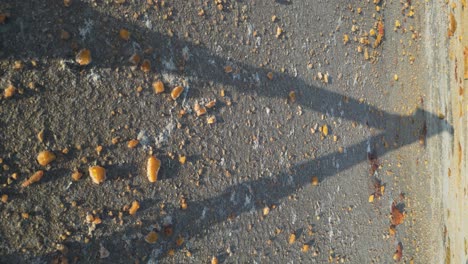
x: 279, y: 71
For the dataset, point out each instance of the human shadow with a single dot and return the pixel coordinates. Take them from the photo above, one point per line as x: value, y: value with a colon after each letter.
x: 111, y: 52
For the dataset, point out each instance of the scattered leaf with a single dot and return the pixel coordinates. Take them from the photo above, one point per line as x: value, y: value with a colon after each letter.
x: 399, y: 252
x: 292, y: 238
x: 45, y: 157
x: 151, y: 237
x: 124, y: 34
x: 176, y: 92
x: 452, y: 25
x: 397, y: 216
x: 83, y: 57
x: 134, y: 208
x: 153, y: 166
x: 37, y: 176
x: 158, y: 87
x: 97, y: 174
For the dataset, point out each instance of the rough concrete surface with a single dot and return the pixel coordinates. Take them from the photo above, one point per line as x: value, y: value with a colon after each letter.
x: 319, y: 105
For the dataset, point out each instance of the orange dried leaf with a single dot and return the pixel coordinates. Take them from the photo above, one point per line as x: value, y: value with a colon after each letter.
x: 270, y: 75
x: 153, y: 166
x: 228, y: 69
x: 210, y: 104
x: 134, y: 208
x: 134, y: 59
x: 452, y: 25
x: 183, y: 203
x: 45, y: 157
x: 397, y: 216
x: 176, y: 92
x: 76, y: 175
x: 158, y: 87
x: 9, y: 91
x: 151, y: 237
x: 133, y: 143
x: 315, y: 181
x: 398, y: 253
x: 3, y: 18
x: 378, y: 40
x: 292, y: 238
x: 199, y: 110
x: 146, y: 66
x: 97, y: 174
x: 292, y: 96
x: 381, y: 29
x: 124, y: 34
x: 34, y: 178
x: 83, y: 57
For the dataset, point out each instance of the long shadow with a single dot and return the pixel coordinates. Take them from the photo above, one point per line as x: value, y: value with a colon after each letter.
x: 111, y: 52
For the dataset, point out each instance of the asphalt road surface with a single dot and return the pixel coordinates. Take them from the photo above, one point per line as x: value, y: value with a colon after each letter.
x: 315, y: 150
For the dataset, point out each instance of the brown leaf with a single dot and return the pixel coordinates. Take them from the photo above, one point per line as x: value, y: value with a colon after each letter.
x: 397, y: 215
x: 399, y: 252
x: 452, y: 25
x: 373, y: 161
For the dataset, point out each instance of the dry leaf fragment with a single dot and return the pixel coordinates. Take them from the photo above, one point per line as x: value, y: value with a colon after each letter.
x: 210, y: 104
x: 345, y: 39
x: 452, y: 25
x: 371, y: 198
x: 97, y: 174
x: 199, y: 110
x: 134, y: 208
x: 183, y: 203
x: 83, y: 57
x: 292, y: 238
x: 176, y: 92
x: 37, y: 176
x: 315, y: 181
x: 392, y: 230
x: 279, y: 31
x: 325, y: 130
x: 266, y: 210
x: 158, y: 87
x: 4, y: 198
x: 9, y: 91
x: 134, y: 59
x: 270, y: 75
x: 211, y: 119
x: 3, y: 18
x: 76, y: 175
x: 381, y: 28
x: 45, y: 157
x: 124, y: 34
x: 153, y: 166
x: 146, y: 66
x: 292, y: 96
x: 227, y: 69
x: 151, y: 237
x: 397, y: 216
x: 182, y: 159
x: 133, y: 143
x: 399, y: 252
